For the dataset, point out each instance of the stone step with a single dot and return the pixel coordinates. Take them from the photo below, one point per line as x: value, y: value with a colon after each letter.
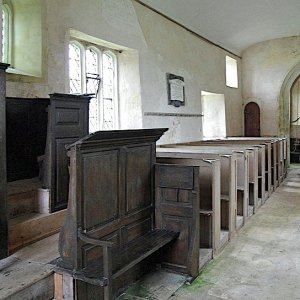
x: 29, y: 228
x: 22, y: 203
x: 27, y: 196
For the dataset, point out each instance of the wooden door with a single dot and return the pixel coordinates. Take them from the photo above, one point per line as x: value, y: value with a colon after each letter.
x: 177, y: 209
x: 3, y: 180
x: 252, y: 119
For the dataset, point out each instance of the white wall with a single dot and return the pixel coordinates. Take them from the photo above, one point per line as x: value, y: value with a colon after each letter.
x: 161, y: 47
x: 265, y: 66
x: 214, y: 120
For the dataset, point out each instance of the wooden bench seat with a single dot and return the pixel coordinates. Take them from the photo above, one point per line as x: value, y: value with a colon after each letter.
x: 121, y: 211
x: 124, y: 257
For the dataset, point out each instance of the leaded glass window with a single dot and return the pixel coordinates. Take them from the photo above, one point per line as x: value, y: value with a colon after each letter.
x: 92, y: 67
x: 75, y: 69
x: 6, y: 16
x: 93, y: 62
x: 108, y: 91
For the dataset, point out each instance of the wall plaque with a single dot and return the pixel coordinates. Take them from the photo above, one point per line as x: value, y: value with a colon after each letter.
x: 176, y: 95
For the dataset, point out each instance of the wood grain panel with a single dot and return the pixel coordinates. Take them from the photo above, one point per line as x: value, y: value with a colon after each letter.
x: 179, y: 216
x: 206, y: 188
x: 184, y: 226
x: 138, y: 177
x: 67, y: 116
x: 100, y: 185
x: 136, y: 229
x: 61, y: 176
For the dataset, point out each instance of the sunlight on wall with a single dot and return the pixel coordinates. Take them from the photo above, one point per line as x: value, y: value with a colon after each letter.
x: 214, y: 120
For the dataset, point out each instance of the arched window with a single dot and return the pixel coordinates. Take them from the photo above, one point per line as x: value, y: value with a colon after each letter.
x: 6, y: 33
x: 87, y: 62
x: 75, y: 69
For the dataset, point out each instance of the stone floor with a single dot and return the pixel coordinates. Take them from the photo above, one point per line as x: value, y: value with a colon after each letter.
x: 262, y: 262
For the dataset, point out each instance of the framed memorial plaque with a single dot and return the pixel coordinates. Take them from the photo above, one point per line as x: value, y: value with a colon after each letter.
x: 176, y: 95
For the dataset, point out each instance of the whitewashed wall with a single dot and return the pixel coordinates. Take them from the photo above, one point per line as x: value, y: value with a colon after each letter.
x: 265, y: 67
x: 160, y: 46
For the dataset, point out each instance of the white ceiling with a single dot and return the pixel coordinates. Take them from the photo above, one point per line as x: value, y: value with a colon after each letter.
x: 234, y: 24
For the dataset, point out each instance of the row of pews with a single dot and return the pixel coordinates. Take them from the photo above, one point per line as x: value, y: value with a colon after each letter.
x: 134, y: 205
x: 237, y: 175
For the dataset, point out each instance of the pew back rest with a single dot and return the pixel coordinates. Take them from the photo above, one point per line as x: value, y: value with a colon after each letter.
x: 111, y: 192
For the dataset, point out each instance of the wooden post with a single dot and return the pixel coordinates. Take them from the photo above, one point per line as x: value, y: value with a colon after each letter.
x: 3, y: 196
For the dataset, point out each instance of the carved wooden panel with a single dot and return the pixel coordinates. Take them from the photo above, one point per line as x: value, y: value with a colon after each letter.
x: 101, y: 188
x: 138, y: 177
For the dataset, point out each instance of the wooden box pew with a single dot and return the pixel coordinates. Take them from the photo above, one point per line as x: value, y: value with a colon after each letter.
x: 114, y: 230
x: 228, y: 192
x: 247, y: 186
x: 277, y: 154
x: 269, y: 158
x: 234, y: 199
x: 260, y: 162
x: 212, y: 237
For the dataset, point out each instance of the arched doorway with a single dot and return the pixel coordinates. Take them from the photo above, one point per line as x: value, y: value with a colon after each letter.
x: 284, y: 103
x: 252, y: 119
x: 295, y: 122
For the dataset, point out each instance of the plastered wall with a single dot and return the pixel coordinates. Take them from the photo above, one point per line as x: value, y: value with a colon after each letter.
x: 265, y: 67
x: 155, y: 46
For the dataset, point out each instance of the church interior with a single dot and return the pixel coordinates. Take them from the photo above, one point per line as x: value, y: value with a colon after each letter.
x: 150, y: 149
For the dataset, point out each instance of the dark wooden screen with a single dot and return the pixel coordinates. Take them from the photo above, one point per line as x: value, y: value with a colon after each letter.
x: 26, y: 130
x: 67, y: 122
